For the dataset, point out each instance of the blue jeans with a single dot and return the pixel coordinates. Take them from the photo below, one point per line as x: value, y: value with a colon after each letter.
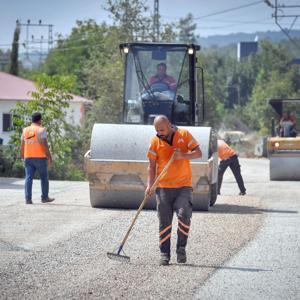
x: 41, y: 165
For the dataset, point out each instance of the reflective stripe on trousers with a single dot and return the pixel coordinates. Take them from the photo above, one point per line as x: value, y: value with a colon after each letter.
x: 168, y: 201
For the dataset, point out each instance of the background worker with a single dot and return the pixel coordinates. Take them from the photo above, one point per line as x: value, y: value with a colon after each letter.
x: 287, y: 125
x: 36, y: 155
x: 229, y: 158
x: 174, y: 191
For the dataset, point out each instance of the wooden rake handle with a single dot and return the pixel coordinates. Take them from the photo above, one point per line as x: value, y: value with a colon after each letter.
x: 146, y: 198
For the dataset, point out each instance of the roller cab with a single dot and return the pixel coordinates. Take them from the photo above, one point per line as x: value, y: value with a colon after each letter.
x: 160, y: 78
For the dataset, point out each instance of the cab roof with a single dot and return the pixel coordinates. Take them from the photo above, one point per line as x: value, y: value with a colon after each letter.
x: 278, y: 104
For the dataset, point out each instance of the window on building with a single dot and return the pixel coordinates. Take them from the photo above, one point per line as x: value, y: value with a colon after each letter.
x: 7, y: 122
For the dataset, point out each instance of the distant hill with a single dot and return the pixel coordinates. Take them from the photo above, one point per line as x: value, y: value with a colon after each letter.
x: 233, y: 38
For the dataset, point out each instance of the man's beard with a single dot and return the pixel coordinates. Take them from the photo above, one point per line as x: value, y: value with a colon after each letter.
x: 164, y: 137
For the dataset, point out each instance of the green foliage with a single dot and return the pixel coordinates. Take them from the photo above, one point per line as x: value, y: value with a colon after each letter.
x: 10, y: 164
x: 4, y: 60
x: 186, y: 29
x: 14, y: 58
x: 236, y: 92
x: 71, y: 55
x: 272, y: 85
x: 51, y: 99
x: 129, y: 16
x: 275, y: 78
x: 167, y: 33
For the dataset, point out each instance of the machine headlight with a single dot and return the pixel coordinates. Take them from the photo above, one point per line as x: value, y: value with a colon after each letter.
x: 125, y: 50
x: 276, y: 144
x: 190, y: 51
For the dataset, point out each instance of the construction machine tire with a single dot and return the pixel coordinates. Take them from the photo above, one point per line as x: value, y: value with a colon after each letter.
x: 213, y: 194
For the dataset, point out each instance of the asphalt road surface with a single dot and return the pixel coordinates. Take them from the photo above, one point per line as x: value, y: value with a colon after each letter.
x: 245, y: 247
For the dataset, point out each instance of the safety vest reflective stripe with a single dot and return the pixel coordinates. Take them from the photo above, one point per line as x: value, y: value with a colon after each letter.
x: 31, y: 142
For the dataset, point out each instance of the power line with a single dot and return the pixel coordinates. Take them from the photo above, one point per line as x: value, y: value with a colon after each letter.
x: 279, y: 14
x: 229, y: 10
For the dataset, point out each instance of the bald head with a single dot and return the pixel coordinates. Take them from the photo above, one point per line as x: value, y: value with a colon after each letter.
x: 163, y: 126
x: 160, y: 119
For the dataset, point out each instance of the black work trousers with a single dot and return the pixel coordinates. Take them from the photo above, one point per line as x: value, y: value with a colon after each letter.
x: 168, y: 201
x: 233, y: 163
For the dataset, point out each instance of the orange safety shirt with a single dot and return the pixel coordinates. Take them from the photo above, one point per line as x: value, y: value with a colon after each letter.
x: 32, y: 138
x: 179, y: 173
x: 224, y: 151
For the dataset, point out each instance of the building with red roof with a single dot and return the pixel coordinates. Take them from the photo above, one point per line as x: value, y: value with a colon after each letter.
x: 14, y: 89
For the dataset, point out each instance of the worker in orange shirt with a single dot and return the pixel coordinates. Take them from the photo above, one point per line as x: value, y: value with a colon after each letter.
x: 229, y: 158
x: 174, y: 191
x: 36, y: 155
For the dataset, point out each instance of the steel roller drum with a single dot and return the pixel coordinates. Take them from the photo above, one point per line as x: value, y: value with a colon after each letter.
x: 285, y: 168
x: 117, y: 166
x: 131, y: 142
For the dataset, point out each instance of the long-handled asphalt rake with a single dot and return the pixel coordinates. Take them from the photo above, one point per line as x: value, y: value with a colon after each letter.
x: 118, y: 255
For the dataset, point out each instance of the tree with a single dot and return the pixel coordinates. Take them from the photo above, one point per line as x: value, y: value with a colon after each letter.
x: 187, y: 30
x: 129, y: 15
x: 275, y: 85
x: 14, y: 58
x: 168, y: 34
x: 4, y: 60
x: 51, y: 99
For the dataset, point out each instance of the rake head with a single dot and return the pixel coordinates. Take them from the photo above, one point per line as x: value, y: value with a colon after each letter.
x: 118, y: 257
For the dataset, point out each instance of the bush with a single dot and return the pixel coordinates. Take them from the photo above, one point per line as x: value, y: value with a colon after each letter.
x: 12, y: 166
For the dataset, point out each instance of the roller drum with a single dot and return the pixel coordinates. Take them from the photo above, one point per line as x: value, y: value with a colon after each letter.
x: 117, y: 165
x: 285, y: 168
x: 131, y: 142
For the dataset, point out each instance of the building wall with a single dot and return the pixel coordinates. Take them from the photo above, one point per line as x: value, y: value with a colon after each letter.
x: 74, y: 116
x: 244, y: 49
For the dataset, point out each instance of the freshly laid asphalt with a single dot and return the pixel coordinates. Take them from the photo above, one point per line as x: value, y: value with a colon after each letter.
x: 245, y: 247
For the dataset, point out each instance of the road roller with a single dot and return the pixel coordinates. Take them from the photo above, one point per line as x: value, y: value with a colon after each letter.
x: 283, y: 145
x: 116, y: 164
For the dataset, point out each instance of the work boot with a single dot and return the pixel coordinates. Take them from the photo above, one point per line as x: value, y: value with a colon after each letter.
x: 242, y: 193
x: 164, y: 259
x: 181, y: 255
x: 46, y: 200
x: 28, y: 201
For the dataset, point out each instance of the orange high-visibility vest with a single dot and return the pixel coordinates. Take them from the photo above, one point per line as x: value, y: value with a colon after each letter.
x: 32, y: 138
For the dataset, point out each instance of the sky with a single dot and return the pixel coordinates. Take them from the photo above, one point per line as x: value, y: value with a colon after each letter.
x: 62, y: 14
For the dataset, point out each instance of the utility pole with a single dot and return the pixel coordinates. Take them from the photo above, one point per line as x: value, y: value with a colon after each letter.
x: 156, y: 21
x: 41, y: 41
x: 280, y: 13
